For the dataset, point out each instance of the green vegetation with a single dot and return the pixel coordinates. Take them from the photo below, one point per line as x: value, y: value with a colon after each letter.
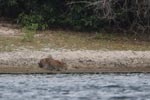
x: 28, y: 35
x: 133, y: 16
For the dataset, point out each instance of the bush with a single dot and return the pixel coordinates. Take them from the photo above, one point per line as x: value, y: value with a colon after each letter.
x: 130, y: 15
x: 32, y: 22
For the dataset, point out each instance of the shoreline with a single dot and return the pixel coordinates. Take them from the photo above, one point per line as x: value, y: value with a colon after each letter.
x: 78, y: 61
x: 32, y: 70
x: 22, y: 60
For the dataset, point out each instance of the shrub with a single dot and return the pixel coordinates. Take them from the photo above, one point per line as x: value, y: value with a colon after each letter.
x: 130, y: 15
x: 28, y: 35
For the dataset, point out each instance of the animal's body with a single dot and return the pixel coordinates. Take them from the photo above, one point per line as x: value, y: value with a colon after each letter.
x: 52, y: 64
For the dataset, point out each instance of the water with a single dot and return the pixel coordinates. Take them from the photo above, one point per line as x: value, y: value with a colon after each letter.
x: 75, y: 87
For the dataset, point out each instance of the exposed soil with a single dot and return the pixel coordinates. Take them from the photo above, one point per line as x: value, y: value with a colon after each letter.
x: 7, y: 29
x: 78, y: 61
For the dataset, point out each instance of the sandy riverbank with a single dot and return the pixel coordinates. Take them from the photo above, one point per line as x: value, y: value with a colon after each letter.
x: 80, y: 61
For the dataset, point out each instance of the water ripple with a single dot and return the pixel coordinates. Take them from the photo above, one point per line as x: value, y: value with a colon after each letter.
x: 75, y: 87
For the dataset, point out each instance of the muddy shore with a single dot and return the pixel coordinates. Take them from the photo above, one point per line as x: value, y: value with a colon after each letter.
x: 78, y: 61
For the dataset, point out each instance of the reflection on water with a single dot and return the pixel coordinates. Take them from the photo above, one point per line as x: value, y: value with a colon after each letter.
x: 75, y: 87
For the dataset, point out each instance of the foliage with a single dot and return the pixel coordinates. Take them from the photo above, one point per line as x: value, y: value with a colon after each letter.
x: 32, y: 22
x: 130, y: 15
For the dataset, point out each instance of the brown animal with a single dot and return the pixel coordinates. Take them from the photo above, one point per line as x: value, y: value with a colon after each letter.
x: 52, y: 64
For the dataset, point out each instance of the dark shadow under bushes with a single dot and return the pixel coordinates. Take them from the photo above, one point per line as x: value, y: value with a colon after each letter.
x: 129, y: 16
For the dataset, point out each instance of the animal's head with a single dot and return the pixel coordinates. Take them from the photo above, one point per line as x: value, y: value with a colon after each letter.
x: 43, y: 63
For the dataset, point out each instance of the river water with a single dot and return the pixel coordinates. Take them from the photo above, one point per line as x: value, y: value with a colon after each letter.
x: 75, y: 87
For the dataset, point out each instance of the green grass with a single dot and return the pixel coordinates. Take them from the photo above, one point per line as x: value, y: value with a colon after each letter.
x: 74, y: 40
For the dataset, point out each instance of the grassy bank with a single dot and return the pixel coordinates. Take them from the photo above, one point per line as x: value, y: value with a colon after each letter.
x: 73, y: 40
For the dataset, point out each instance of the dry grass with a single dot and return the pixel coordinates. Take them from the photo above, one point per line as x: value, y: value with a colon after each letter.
x: 74, y: 40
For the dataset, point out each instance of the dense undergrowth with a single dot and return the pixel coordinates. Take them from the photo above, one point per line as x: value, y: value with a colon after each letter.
x: 131, y: 16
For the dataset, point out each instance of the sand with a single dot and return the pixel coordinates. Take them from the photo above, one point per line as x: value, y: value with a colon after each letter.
x: 78, y: 61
